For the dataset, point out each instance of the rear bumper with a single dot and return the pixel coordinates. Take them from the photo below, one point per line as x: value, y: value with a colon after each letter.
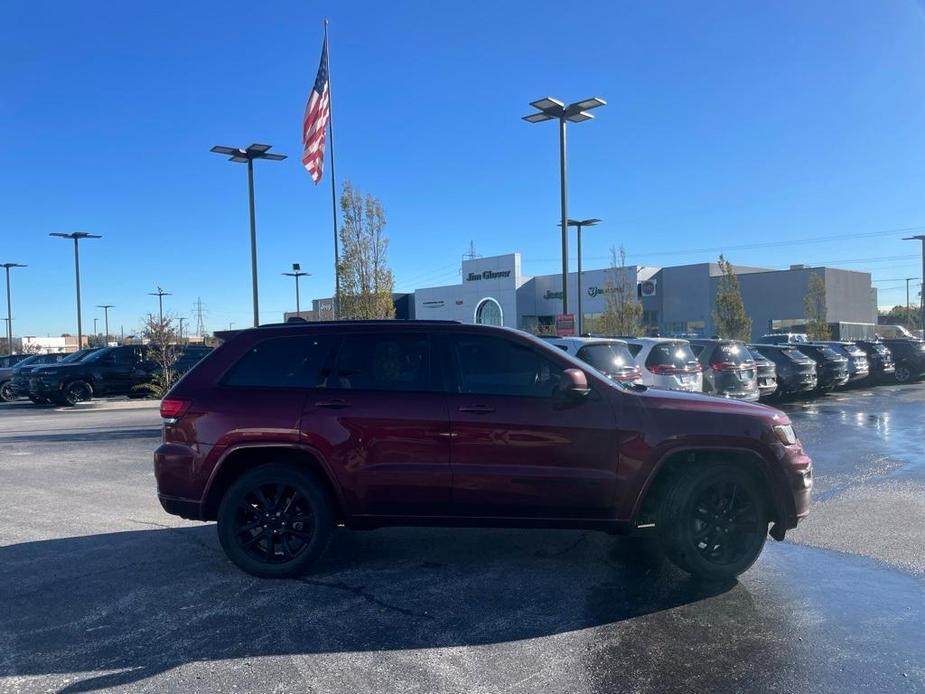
x: 177, y: 506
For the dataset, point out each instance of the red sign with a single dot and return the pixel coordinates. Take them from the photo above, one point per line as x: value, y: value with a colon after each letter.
x: 565, y: 324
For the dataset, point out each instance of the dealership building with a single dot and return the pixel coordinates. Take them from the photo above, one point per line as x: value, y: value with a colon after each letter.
x: 675, y: 300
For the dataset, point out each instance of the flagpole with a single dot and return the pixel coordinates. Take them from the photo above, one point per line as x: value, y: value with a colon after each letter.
x: 333, y: 183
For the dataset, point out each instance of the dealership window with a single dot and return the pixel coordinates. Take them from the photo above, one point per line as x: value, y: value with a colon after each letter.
x: 488, y: 312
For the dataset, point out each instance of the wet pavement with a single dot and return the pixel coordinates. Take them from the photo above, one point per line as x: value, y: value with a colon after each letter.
x: 99, y: 589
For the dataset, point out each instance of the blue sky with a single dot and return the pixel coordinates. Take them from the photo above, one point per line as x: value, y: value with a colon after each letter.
x: 728, y: 125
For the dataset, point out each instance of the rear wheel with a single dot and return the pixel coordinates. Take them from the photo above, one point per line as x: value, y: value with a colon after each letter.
x: 275, y: 521
x: 77, y: 391
x: 6, y: 392
x: 902, y: 374
x: 713, y: 521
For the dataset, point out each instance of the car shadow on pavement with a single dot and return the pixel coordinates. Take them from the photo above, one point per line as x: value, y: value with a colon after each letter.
x: 104, y: 434
x: 122, y: 607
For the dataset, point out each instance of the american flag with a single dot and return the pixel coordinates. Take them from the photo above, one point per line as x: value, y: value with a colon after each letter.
x: 315, y: 122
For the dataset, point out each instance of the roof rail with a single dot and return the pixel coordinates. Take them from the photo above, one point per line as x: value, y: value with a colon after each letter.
x: 372, y: 321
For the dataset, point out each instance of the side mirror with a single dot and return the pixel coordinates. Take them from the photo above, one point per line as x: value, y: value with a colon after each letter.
x: 573, y: 385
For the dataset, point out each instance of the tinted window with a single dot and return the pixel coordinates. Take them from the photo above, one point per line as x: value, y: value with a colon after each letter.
x: 282, y: 362
x: 495, y: 366
x: 384, y: 362
x: 634, y: 349
x: 732, y: 353
x: 677, y: 354
x: 606, y: 358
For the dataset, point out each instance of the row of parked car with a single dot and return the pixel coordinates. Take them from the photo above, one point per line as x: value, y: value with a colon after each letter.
x: 779, y: 366
x: 71, y: 378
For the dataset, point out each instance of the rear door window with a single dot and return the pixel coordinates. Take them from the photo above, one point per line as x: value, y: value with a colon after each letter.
x: 282, y: 362
x: 397, y: 362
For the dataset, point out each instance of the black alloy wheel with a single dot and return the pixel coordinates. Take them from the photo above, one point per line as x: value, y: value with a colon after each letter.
x: 714, y: 522
x: 6, y: 392
x: 78, y: 391
x: 275, y: 521
x: 902, y: 374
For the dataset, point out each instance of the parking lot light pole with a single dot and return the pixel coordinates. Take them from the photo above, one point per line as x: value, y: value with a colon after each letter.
x: 9, y: 306
x: 160, y: 294
x: 577, y: 112
x: 106, y: 308
x: 909, y: 320
x: 247, y: 156
x: 578, y: 224
x: 76, y: 237
x: 920, y: 237
x: 297, y: 273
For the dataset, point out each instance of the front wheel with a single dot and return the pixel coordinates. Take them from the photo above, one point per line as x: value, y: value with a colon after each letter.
x: 275, y: 521
x: 902, y: 374
x: 78, y: 391
x: 713, y: 521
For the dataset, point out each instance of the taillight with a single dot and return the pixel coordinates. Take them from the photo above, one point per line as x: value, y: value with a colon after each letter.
x: 663, y: 369
x: 172, y: 409
x: 724, y: 366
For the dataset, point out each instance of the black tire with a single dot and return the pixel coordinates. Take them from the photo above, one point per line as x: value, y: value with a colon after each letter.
x: 902, y: 374
x: 77, y: 391
x: 6, y: 392
x: 713, y: 521
x: 273, y: 511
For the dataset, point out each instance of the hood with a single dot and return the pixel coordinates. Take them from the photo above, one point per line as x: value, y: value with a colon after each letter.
x: 701, y: 402
x: 53, y: 368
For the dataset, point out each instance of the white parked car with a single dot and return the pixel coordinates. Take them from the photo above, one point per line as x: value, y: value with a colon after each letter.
x: 667, y: 363
x: 609, y: 356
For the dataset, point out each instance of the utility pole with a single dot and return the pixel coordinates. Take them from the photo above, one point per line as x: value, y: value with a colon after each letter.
x: 910, y: 323
x: 160, y: 294
x: 180, y: 337
x: 920, y: 237
x: 95, y: 321
x: 106, y: 308
x: 9, y: 307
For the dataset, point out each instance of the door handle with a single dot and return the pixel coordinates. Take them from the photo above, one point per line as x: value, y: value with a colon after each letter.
x: 477, y: 409
x: 333, y: 404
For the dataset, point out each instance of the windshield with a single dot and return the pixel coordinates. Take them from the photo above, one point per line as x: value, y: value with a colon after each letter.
x: 677, y: 354
x: 77, y: 356
x: 99, y: 354
x: 607, y: 357
x: 29, y: 360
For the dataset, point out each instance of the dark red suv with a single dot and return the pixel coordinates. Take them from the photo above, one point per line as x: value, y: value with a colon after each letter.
x: 285, y: 431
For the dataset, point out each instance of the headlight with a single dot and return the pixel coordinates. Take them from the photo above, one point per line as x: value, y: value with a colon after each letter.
x: 785, y: 435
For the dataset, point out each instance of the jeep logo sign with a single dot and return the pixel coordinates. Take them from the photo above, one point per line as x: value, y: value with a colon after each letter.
x: 487, y: 275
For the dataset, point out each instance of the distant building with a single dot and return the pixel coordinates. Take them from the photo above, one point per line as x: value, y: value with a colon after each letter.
x: 48, y: 345
x: 675, y: 300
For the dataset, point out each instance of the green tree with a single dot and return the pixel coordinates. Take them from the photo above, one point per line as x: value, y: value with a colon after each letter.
x: 814, y: 308
x: 366, y: 281
x: 730, y: 320
x: 163, y: 352
x: 622, y: 314
x: 910, y: 317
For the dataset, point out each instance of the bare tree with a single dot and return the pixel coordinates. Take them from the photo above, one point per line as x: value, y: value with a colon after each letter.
x: 729, y: 317
x: 366, y: 281
x: 622, y: 314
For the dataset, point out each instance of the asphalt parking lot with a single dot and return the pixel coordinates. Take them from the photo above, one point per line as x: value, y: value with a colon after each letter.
x: 100, y: 589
